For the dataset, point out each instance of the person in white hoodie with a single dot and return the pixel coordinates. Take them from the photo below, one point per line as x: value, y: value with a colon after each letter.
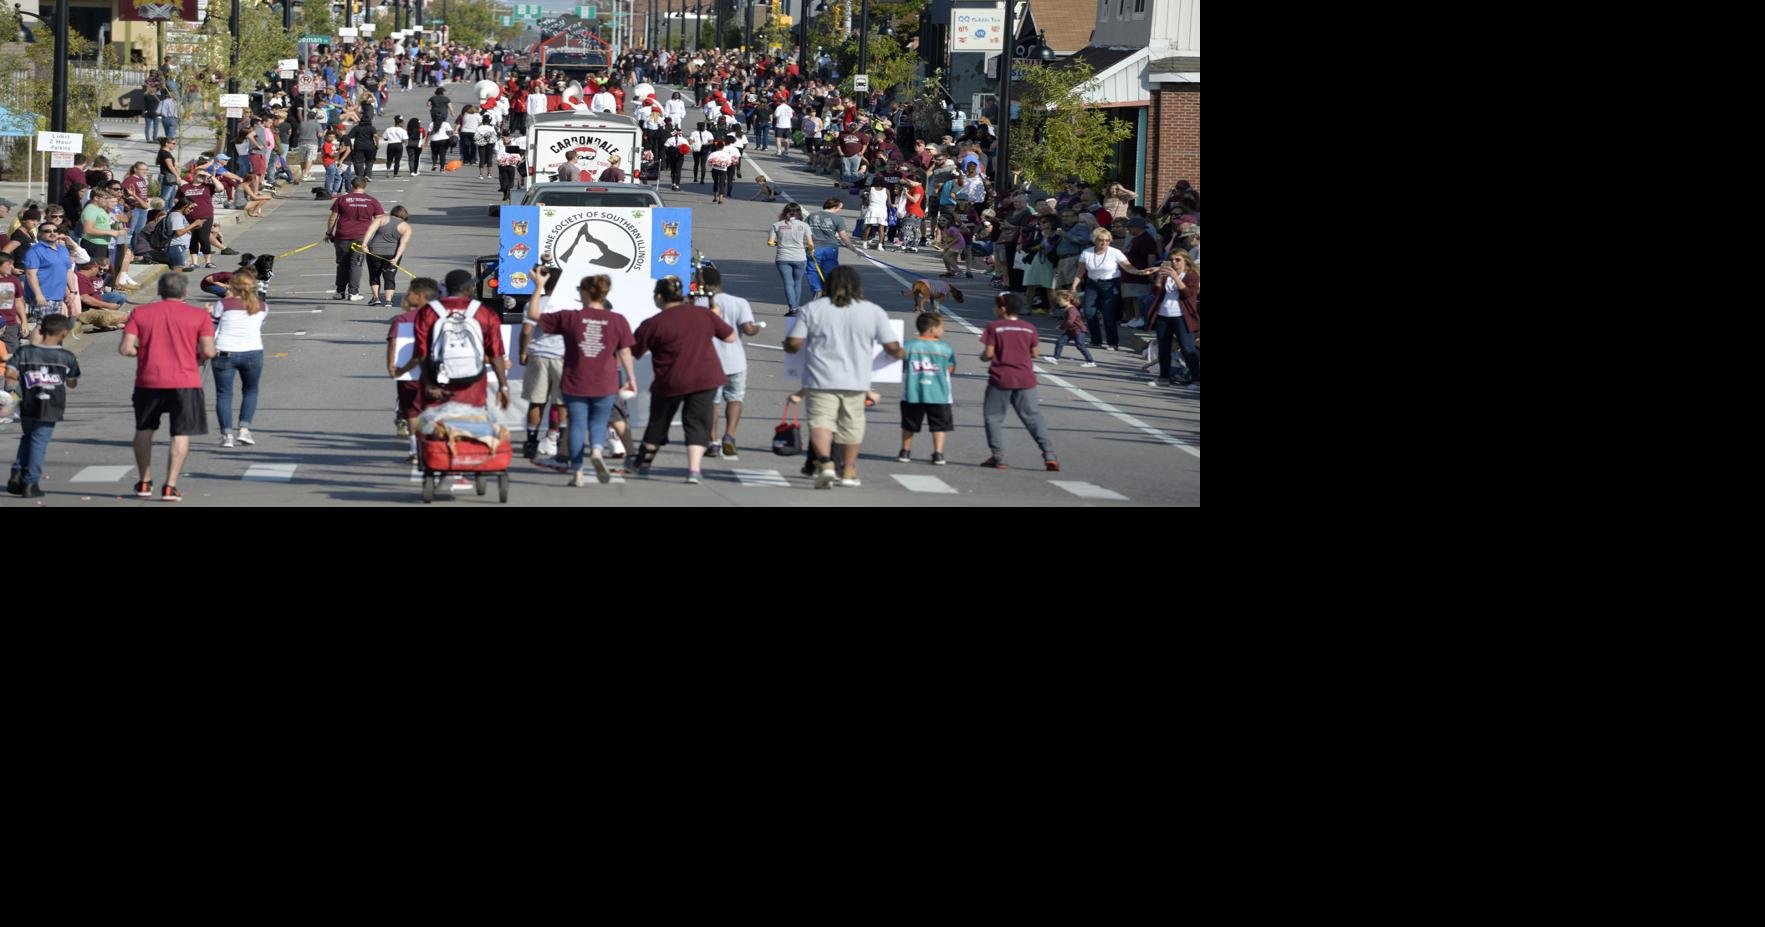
x: 604, y: 102
x: 675, y: 109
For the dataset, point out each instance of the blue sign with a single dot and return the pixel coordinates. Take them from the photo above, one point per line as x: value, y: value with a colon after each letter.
x: 517, y: 250
x: 671, y: 241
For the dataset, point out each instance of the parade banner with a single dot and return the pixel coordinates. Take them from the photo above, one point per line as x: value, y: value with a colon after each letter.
x: 157, y: 10
x: 672, y: 231
x: 518, y: 250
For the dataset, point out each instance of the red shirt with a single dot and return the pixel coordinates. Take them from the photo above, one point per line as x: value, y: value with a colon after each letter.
x: 355, y: 212
x: 685, y: 360
x: 136, y: 187
x: 168, y: 332
x: 11, y: 288
x: 475, y: 394
x: 89, y: 285
x: 592, y: 339
x: 202, y: 195
x: 619, y: 97
x: 853, y: 143
x: 1013, y: 342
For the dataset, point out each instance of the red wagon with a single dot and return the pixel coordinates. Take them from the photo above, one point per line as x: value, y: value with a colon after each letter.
x: 465, y: 456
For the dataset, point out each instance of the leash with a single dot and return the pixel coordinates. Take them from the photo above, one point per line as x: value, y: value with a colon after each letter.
x: 357, y: 247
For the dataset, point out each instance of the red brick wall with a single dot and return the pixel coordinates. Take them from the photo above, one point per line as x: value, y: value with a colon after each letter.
x: 1174, y: 149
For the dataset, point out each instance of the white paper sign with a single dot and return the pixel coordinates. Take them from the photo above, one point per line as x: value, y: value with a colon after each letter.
x: 861, y: 83
x: 235, y: 100
x: 973, y: 30
x: 512, y: 345
x: 883, y: 368
x: 286, y: 74
x: 368, y: 28
x: 404, y: 346
x: 67, y: 142
x: 347, y: 32
x: 61, y: 159
x: 289, y: 64
x: 235, y: 112
x: 308, y: 83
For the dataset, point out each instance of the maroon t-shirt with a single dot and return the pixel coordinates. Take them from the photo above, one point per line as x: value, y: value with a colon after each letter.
x: 685, y: 360
x: 168, y: 332
x: 202, y: 195
x: 355, y: 212
x: 592, y: 339
x: 853, y: 143
x: 1143, y: 252
x: 1013, y: 342
x: 136, y: 187
x: 11, y: 288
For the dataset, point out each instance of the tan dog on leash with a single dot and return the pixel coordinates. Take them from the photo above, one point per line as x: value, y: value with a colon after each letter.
x: 930, y: 291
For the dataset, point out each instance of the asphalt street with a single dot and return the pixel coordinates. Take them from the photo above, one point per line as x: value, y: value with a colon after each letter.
x: 325, y: 416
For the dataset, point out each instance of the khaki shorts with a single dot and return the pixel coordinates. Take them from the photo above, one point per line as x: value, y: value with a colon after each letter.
x: 838, y: 410
x: 544, y: 380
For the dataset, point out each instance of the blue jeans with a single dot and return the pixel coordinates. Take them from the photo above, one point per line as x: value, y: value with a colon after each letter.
x: 152, y: 127
x: 177, y: 257
x: 137, y: 222
x: 171, y: 126
x: 250, y: 366
x: 792, y: 274
x: 33, y: 447
x: 595, y: 410
x: 333, y: 179
x: 1078, y: 340
x: 827, y: 257
x: 1109, y: 307
x: 765, y: 138
x: 112, y: 296
x: 849, y: 168
x: 214, y: 289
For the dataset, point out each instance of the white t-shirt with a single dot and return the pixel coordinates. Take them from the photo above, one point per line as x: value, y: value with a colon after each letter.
x: 1172, y: 305
x: 700, y: 139
x: 442, y: 133
x: 603, y: 102
x: 536, y: 103
x: 676, y: 110
x: 1105, y: 266
x: 236, y: 329
x: 737, y: 313
x: 394, y: 136
x: 469, y: 123
x: 539, y: 345
x: 781, y: 117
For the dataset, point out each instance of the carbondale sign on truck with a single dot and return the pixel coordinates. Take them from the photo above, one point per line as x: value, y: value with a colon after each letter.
x: 597, y: 138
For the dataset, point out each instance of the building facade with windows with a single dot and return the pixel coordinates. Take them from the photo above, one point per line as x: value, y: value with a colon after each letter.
x: 1146, y: 55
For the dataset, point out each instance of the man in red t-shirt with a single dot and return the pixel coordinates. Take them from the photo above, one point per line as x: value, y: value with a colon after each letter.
x: 1012, y: 345
x: 170, y: 339
x: 459, y: 285
x: 351, y: 214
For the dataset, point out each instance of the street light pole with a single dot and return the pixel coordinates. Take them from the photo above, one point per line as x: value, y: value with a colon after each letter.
x: 1002, y: 174
x: 748, y: 30
x: 864, y: 38
x: 58, y: 97
x: 232, y: 81
x: 803, y: 44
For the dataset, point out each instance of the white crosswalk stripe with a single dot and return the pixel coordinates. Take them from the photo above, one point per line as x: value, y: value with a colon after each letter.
x: 270, y: 473
x: 1089, y: 490
x: 768, y: 478
x: 924, y: 484
x: 101, y: 474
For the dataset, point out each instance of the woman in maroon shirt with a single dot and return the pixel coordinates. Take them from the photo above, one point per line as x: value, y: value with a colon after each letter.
x: 597, y: 345
x: 688, y: 373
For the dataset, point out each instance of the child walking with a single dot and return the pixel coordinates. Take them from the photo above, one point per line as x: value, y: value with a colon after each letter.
x: 1072, y: 327
x: 42, y: 373
x: 1011, y: 345
x: 925, y: 373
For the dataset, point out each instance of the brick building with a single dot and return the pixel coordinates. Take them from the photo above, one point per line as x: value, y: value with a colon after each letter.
x: 1147, y: 58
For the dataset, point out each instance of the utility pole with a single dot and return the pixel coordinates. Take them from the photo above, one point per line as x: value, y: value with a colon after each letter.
x: 1002, y: 175
x: 58, y: 100
x: 863, y: 37
x: 232, y: 82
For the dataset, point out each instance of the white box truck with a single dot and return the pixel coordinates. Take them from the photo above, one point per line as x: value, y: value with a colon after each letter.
x: 596, y: 137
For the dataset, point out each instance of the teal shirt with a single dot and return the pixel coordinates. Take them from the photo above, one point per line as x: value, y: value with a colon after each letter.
x: 926, y: 372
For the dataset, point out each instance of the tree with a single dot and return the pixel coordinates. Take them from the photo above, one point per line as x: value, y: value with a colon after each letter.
x: 262, y: 43
x: 1056, y: 135
x: 87, y: 90
x: 470, y: 22
x: 317, y: 19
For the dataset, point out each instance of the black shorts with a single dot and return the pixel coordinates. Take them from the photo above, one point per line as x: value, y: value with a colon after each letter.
x: 199, y: 240
x: 940, y: 415
x: 382, y: 270
x: 621, y: 412
x: 696, y: 417
x: 185, y: 406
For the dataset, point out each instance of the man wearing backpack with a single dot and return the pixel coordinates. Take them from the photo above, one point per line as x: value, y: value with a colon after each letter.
x: 454, y: 335
x: 351, y: 215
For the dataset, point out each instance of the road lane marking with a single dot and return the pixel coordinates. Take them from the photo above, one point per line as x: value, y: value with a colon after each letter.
x: 925, y: 484
x: 1089, y: 490
x: 771, y: 479
x: 270, y: 473
x: 101, y: 474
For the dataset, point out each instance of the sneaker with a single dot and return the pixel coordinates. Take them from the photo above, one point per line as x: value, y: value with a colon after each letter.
x: 994, y: 463
x: 15, y: 485
x: 1051, y: 465
x: 355, y: 297
x: 226, y: 439
x: 600, y: 470
x: 616, y: 446
x: 548, y: 445
x: 729, y: 449
x: 1156, y: 383
x: 714, y: 451
x: 1088, y: 364
x: 530, y: 448
x: 245, y: 437
x: 144, y: 489
x: 853, y: 483
x: 170, y: 494
x: 694, y: 477
x: 414, y: 460
x: 937, y: 460
x: 9, y: 420
x: 576, y: 478
x: 905, y: 457
x: 35, y: 491
x: 228, y: 251
x: 826, y: 478
x: 1051, y: 361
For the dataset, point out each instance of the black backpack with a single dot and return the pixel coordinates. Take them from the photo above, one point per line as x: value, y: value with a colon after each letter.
x: 160, y: 236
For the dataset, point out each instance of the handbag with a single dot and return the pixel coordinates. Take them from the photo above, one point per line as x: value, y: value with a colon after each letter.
x: 787, y: 438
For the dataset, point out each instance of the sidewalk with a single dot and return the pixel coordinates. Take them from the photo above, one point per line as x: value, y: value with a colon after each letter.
x: 122, y: 151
